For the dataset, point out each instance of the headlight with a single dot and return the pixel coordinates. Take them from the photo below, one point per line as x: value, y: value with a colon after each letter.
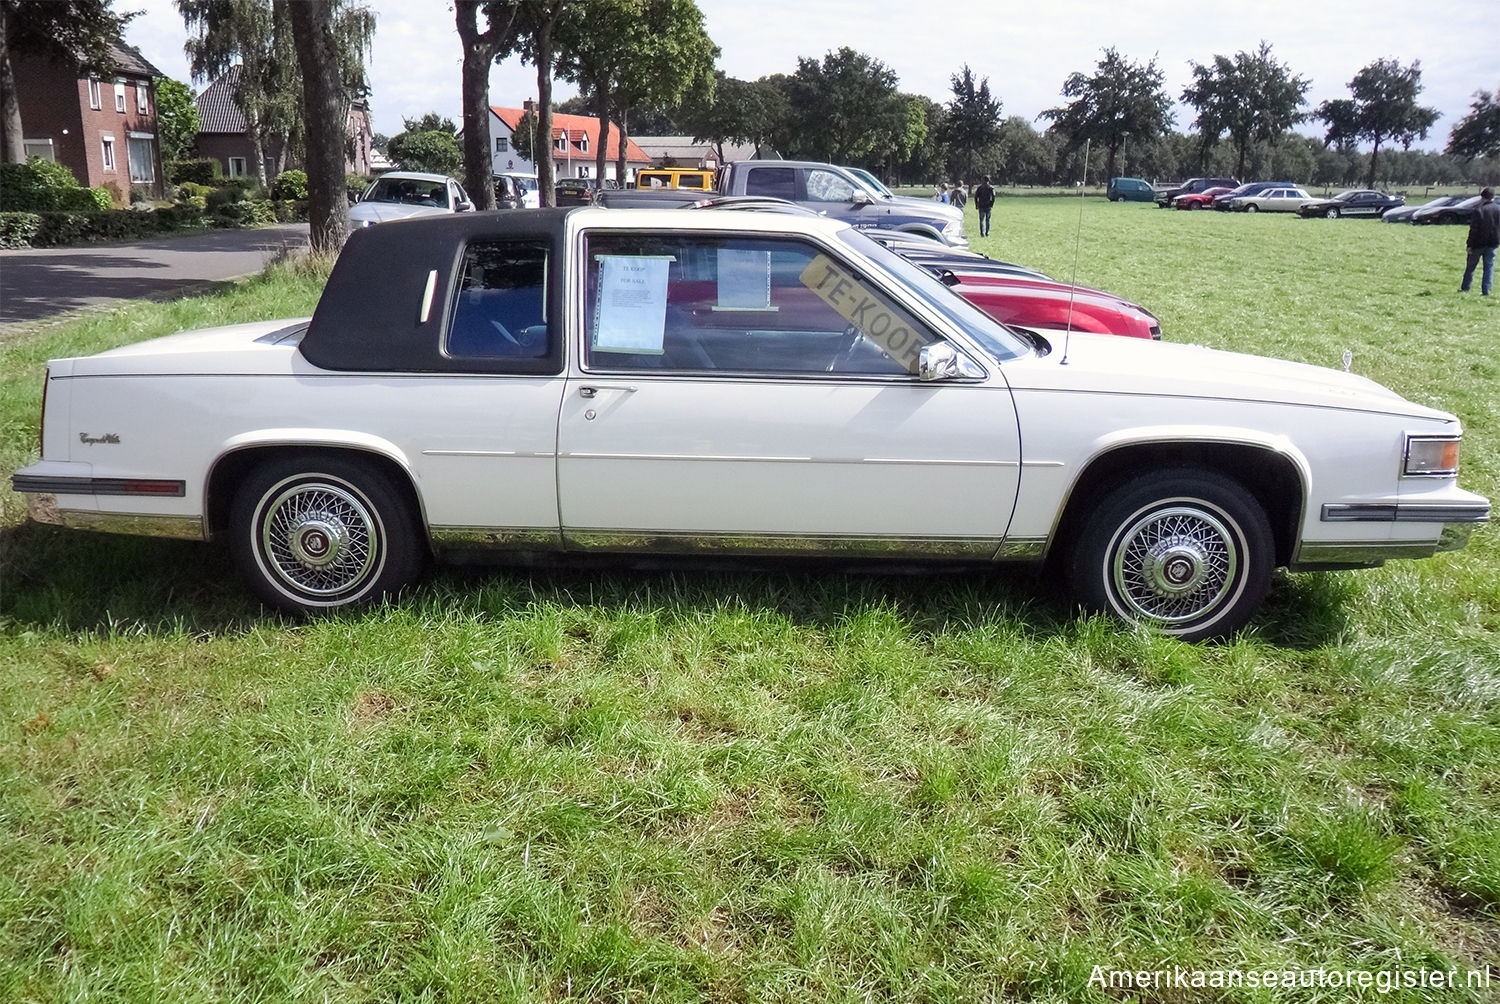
x: 1431, y: 457
x: 954, y: 227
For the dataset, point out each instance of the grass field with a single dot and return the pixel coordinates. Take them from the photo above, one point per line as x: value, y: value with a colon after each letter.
x: 522, y: 785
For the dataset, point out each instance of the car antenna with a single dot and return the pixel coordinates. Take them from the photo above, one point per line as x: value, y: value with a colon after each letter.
x: 1077, y: 240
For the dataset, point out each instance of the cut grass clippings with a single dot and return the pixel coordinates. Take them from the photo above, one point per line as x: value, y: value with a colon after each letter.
x: 770, y: 784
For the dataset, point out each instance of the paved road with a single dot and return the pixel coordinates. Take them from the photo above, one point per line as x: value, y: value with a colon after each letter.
x: 40, y: 283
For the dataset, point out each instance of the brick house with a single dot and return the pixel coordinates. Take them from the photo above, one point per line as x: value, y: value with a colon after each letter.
x: 101, y: 126
x: 224, y: 136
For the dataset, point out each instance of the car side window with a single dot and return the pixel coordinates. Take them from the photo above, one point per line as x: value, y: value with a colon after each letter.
x: 501, y: 308
x: 719, y: 303
x: 825, y: 186
x: 776, y: 182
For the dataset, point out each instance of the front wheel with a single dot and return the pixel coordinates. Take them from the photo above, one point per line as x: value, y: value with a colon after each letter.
x: 315, y: 534
x: 1252, y: 208
x: 1332, y: 214
x: 1185, y: 551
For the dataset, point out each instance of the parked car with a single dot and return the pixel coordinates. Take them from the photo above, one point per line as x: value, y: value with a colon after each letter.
x: 1459, y: 212
x: 1199, y: 200
x: 1221, y: 202
x: 1272, y: 200
x: 1166, y: 193
x: 1043, y: 304
x: 531, y: 193
x: 601, y: 382
x: 1355, y: 202
x: 697, y: 179
x: 1129, y: 190
x: 509, y: 194
x: 402, y: 195
x: 575, y: 191
x: 1407, y: 214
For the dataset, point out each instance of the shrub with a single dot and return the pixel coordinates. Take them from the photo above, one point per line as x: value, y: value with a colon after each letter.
x: 17, y: 230
x: 80, y: 228
x: 193, y: 190
x: 290, y: 210
x: 199, y: 172
x: 83, y: 200
x: 115, y: 198
x: 290, y: 185
x: 226, y: 195
x: 248, y: 213
x: 34, y: 186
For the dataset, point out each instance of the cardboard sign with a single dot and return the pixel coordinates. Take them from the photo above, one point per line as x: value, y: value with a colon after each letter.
x: 870, y: 315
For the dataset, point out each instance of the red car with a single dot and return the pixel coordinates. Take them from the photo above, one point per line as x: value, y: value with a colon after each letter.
x: 1032, y: 304
x: 1199, y: 200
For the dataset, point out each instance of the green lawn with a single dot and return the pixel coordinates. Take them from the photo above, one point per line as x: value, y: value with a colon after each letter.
x: 770, y: 785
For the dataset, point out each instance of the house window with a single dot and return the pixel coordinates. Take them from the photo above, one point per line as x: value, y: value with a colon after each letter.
x: 501, y: 144
x: 120, y: 96
x: 140, y: 97
x: 561, y: 143
x: 96, y: 101
x: 142, y: 158
x: 107, y: 145
x: 236, y: 167
x: 39, y: 148
x: 583, y: 144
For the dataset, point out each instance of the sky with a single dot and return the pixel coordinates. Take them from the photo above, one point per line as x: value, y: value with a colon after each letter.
x: 1026, y: 50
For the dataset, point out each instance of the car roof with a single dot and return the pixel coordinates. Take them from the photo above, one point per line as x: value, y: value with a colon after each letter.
x: 414, y: 176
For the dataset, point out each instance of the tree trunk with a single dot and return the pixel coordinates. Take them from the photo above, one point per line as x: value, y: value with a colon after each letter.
x: 479, y: 54
x: 621, y: 163
x: 324, y: 106
x: 14, y: 144
x: 546, y: 169
x: 601, y: 155
x: 1374, y: 155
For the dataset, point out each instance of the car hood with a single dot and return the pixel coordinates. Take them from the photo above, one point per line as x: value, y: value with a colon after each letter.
x: 1111, y: 364
x: 385, y: 212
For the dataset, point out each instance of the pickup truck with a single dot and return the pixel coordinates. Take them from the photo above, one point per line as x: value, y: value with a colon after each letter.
x: 833, y: 191
x: 675, y: 177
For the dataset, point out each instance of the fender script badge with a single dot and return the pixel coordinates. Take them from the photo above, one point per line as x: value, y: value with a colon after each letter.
x: 108, y: 437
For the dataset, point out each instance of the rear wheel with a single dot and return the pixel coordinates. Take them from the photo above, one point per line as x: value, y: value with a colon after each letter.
x: 1189, y: 552
x: 1333, y: 213
x: 1252, y: 208
x: 314, y: 534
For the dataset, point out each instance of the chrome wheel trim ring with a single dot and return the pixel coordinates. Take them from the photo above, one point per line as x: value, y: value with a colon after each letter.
x: 318, y: 539
x: 1175, y: 563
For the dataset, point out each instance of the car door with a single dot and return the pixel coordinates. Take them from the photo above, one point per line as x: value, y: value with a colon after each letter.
x: 758, y: 394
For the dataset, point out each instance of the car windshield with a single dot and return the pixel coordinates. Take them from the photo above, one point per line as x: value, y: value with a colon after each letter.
x: 871, y: 182
x: 409, y: 192
x: 994, y: 337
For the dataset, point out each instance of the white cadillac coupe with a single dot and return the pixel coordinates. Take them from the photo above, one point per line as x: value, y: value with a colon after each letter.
x: 651, y: 381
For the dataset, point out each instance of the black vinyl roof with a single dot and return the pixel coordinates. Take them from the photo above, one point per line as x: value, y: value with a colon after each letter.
x: 370, y: 315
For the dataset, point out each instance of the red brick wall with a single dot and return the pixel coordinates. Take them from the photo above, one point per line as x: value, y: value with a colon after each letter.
x: 55, y: 105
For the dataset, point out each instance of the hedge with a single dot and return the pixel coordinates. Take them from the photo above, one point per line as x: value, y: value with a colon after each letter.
x: 18, y: 230
x: 39, y: 186
x: 199, y: 172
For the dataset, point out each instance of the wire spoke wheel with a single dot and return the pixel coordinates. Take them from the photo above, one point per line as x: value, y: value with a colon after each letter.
x: 319, y: 538
x: 1173, y: 565
x: 316, y: 534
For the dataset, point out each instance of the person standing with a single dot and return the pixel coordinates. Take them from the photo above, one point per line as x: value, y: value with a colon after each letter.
x: 958, y: 198
x: 1484, y: 237
x: 984, y: 201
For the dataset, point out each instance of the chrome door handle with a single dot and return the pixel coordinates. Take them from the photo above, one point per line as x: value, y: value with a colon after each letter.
x: 594, y: 391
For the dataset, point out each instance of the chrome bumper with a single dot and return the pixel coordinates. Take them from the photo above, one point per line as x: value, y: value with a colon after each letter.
x: 42, y: 507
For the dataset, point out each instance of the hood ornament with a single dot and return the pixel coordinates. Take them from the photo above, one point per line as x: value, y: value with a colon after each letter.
x: 1348, y: 358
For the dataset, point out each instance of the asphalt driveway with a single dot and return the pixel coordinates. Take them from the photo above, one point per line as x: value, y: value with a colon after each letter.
x: 40, y: 283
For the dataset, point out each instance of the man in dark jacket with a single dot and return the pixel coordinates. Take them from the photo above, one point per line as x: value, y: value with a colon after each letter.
x: 1484, y: 237
x: 984, y: 201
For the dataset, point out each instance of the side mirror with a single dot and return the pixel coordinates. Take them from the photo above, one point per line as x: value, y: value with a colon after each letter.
x: 941, y: 361
x: 464, y: 206
x: 861, y: 197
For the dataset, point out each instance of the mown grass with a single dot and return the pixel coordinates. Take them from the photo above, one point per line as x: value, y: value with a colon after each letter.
x: 689, y: 785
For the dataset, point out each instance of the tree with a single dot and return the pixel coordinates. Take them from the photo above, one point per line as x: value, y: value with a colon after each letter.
x: 72, y: 32
x: 973, y: 122
x: 1252, y: 97
x: 535, y: 24
x: 176, y: 116
x: 1383, y: 106
x: 256, y: 35
x: 325, y: 104
x: 671, y: 56
x: 481, y: 48
x: 1122, y: 99
x: 1477, y: 134
x: 844, y: 108
x: 432, y: 150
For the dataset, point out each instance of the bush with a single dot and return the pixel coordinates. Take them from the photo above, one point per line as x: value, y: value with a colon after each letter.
x: 193, y: 190
x: 199, y: 172
x: 249, y: 213
x: 82, y: 228
x: 290, y: 185
x: 35, y: 186
x: 290, y: 210
x: 17, y: 230
x: 83, y: 200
